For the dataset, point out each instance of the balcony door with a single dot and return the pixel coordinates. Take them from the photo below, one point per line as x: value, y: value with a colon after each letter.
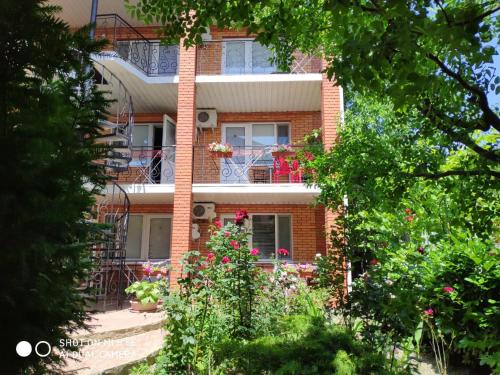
x: 252, y: 160
x: 243, y: 56
x: 154, y: 151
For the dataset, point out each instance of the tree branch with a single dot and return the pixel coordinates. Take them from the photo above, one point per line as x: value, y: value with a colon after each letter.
x: 480, y: 96
x: 440, y: 120
x: 479, y: 17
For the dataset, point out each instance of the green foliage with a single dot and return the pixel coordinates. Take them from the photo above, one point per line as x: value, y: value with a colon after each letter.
x: 231, y: 317
x: 408, y: 237
x: 431, y: 59
x: 49, y: 113
x: 146, y: 291
x: 305, y: 345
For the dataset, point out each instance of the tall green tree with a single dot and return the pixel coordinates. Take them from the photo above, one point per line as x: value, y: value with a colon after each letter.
x: 49, y: 115
x: 432, y: 56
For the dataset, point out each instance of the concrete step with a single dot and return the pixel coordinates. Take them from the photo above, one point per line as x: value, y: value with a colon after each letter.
x: 114, y: 356
x: 116, y: 341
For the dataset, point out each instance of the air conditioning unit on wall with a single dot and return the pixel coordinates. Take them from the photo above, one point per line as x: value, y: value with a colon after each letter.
x: 204, y: 211
x: 206, y: 118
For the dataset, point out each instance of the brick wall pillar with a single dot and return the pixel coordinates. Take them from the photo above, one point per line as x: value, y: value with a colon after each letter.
x: 331, y: 111
x: 185, y: 133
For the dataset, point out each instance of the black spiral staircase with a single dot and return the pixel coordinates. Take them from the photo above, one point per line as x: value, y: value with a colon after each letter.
x: 110, y: 274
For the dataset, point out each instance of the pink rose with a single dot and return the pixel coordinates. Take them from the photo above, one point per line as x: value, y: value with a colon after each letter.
x: 227, y: 234
x: 448, y: 289
x: 235, y: 244
x: 254, y: 251
x: 408, y: 211
x: 429, y: 312
x: 210, y: 257
x: 241, y: 215
x: 409, y: 218
x: 283, y: 252
x: 218, y: 223
x: 225, y: 259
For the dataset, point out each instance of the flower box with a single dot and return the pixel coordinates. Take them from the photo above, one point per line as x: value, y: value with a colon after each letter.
x: 221, y: 154
x: 283, y: 154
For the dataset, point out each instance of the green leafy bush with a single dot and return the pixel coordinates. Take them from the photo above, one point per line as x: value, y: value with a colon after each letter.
x: 146, y: 291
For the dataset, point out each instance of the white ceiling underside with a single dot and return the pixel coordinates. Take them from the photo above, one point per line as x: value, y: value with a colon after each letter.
x: 255, y: 194
x: 224, y: 194
x: 262, y: 96
x: 77, y: 12
x: 147, y: 97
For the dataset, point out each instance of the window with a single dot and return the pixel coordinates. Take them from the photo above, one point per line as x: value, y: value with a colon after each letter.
x: 149, y: 237
x: 246, y: 57
x: 270, y: 232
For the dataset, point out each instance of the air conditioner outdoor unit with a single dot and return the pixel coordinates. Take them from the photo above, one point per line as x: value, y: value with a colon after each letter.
x: 204, y: 211
x: 206, y: 118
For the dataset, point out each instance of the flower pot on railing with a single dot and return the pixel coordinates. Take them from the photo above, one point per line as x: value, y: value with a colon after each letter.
x: 221, y: 154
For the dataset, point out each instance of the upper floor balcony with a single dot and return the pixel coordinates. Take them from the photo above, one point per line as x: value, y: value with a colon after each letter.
x: 247, y: 56
x: 232, y: 74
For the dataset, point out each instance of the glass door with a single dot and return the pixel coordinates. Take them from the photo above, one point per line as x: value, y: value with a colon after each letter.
x: 234, y: 170
x: 168, y: 151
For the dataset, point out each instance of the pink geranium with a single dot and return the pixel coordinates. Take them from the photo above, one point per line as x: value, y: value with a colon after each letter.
x: 409, y: 218
x: 429, y: 312
x: 210, y: 257
x: 408, y: 211
x: 225, y: 259
x: 254, y: 251
x: 448, y: 289
x: 283, y: 252
x: 235, y: 244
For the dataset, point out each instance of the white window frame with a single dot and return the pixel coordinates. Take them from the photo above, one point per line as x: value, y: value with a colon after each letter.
x: 146, y: 226
x: 248, y: 129
x: 276, y: 234
x: 248, y: 69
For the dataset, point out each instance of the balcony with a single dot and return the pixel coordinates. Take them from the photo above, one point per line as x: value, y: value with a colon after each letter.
x: 243, y: 57
x: 248, y: 165
x: 150, y: 165
x: 125, y: 41
x: 252, y: 175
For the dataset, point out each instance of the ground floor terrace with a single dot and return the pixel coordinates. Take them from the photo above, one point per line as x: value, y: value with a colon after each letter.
x: 298, y: 228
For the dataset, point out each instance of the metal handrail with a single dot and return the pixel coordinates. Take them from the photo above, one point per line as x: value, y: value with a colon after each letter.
x: 129, y: 44
x: 248, y: 165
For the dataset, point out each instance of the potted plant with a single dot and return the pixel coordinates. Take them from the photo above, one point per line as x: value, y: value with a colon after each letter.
x: 282, y: 151
x: 220, y: 150
x: 147, y: 294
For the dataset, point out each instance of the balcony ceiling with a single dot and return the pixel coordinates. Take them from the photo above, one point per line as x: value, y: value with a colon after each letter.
x: 77, y: 12
x: 287, y: 92
x: 149, y: 94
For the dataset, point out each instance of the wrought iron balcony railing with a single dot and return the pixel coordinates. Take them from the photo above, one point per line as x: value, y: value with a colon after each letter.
x: 245, y: 56
x: 150, y: 165
x: 248, y: 165
x: 149, y: 56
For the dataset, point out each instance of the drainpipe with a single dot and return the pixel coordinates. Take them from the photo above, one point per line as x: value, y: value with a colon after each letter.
x: 93, y: 18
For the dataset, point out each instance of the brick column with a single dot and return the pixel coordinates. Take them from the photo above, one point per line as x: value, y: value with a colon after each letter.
x: 331, y: 111
x: 185, y: 133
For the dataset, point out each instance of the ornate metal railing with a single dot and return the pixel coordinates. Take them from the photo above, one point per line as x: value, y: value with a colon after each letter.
x: 248, y: 165
x: 150, y: 165
x: 125, y: 41
x: 245, y: 56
